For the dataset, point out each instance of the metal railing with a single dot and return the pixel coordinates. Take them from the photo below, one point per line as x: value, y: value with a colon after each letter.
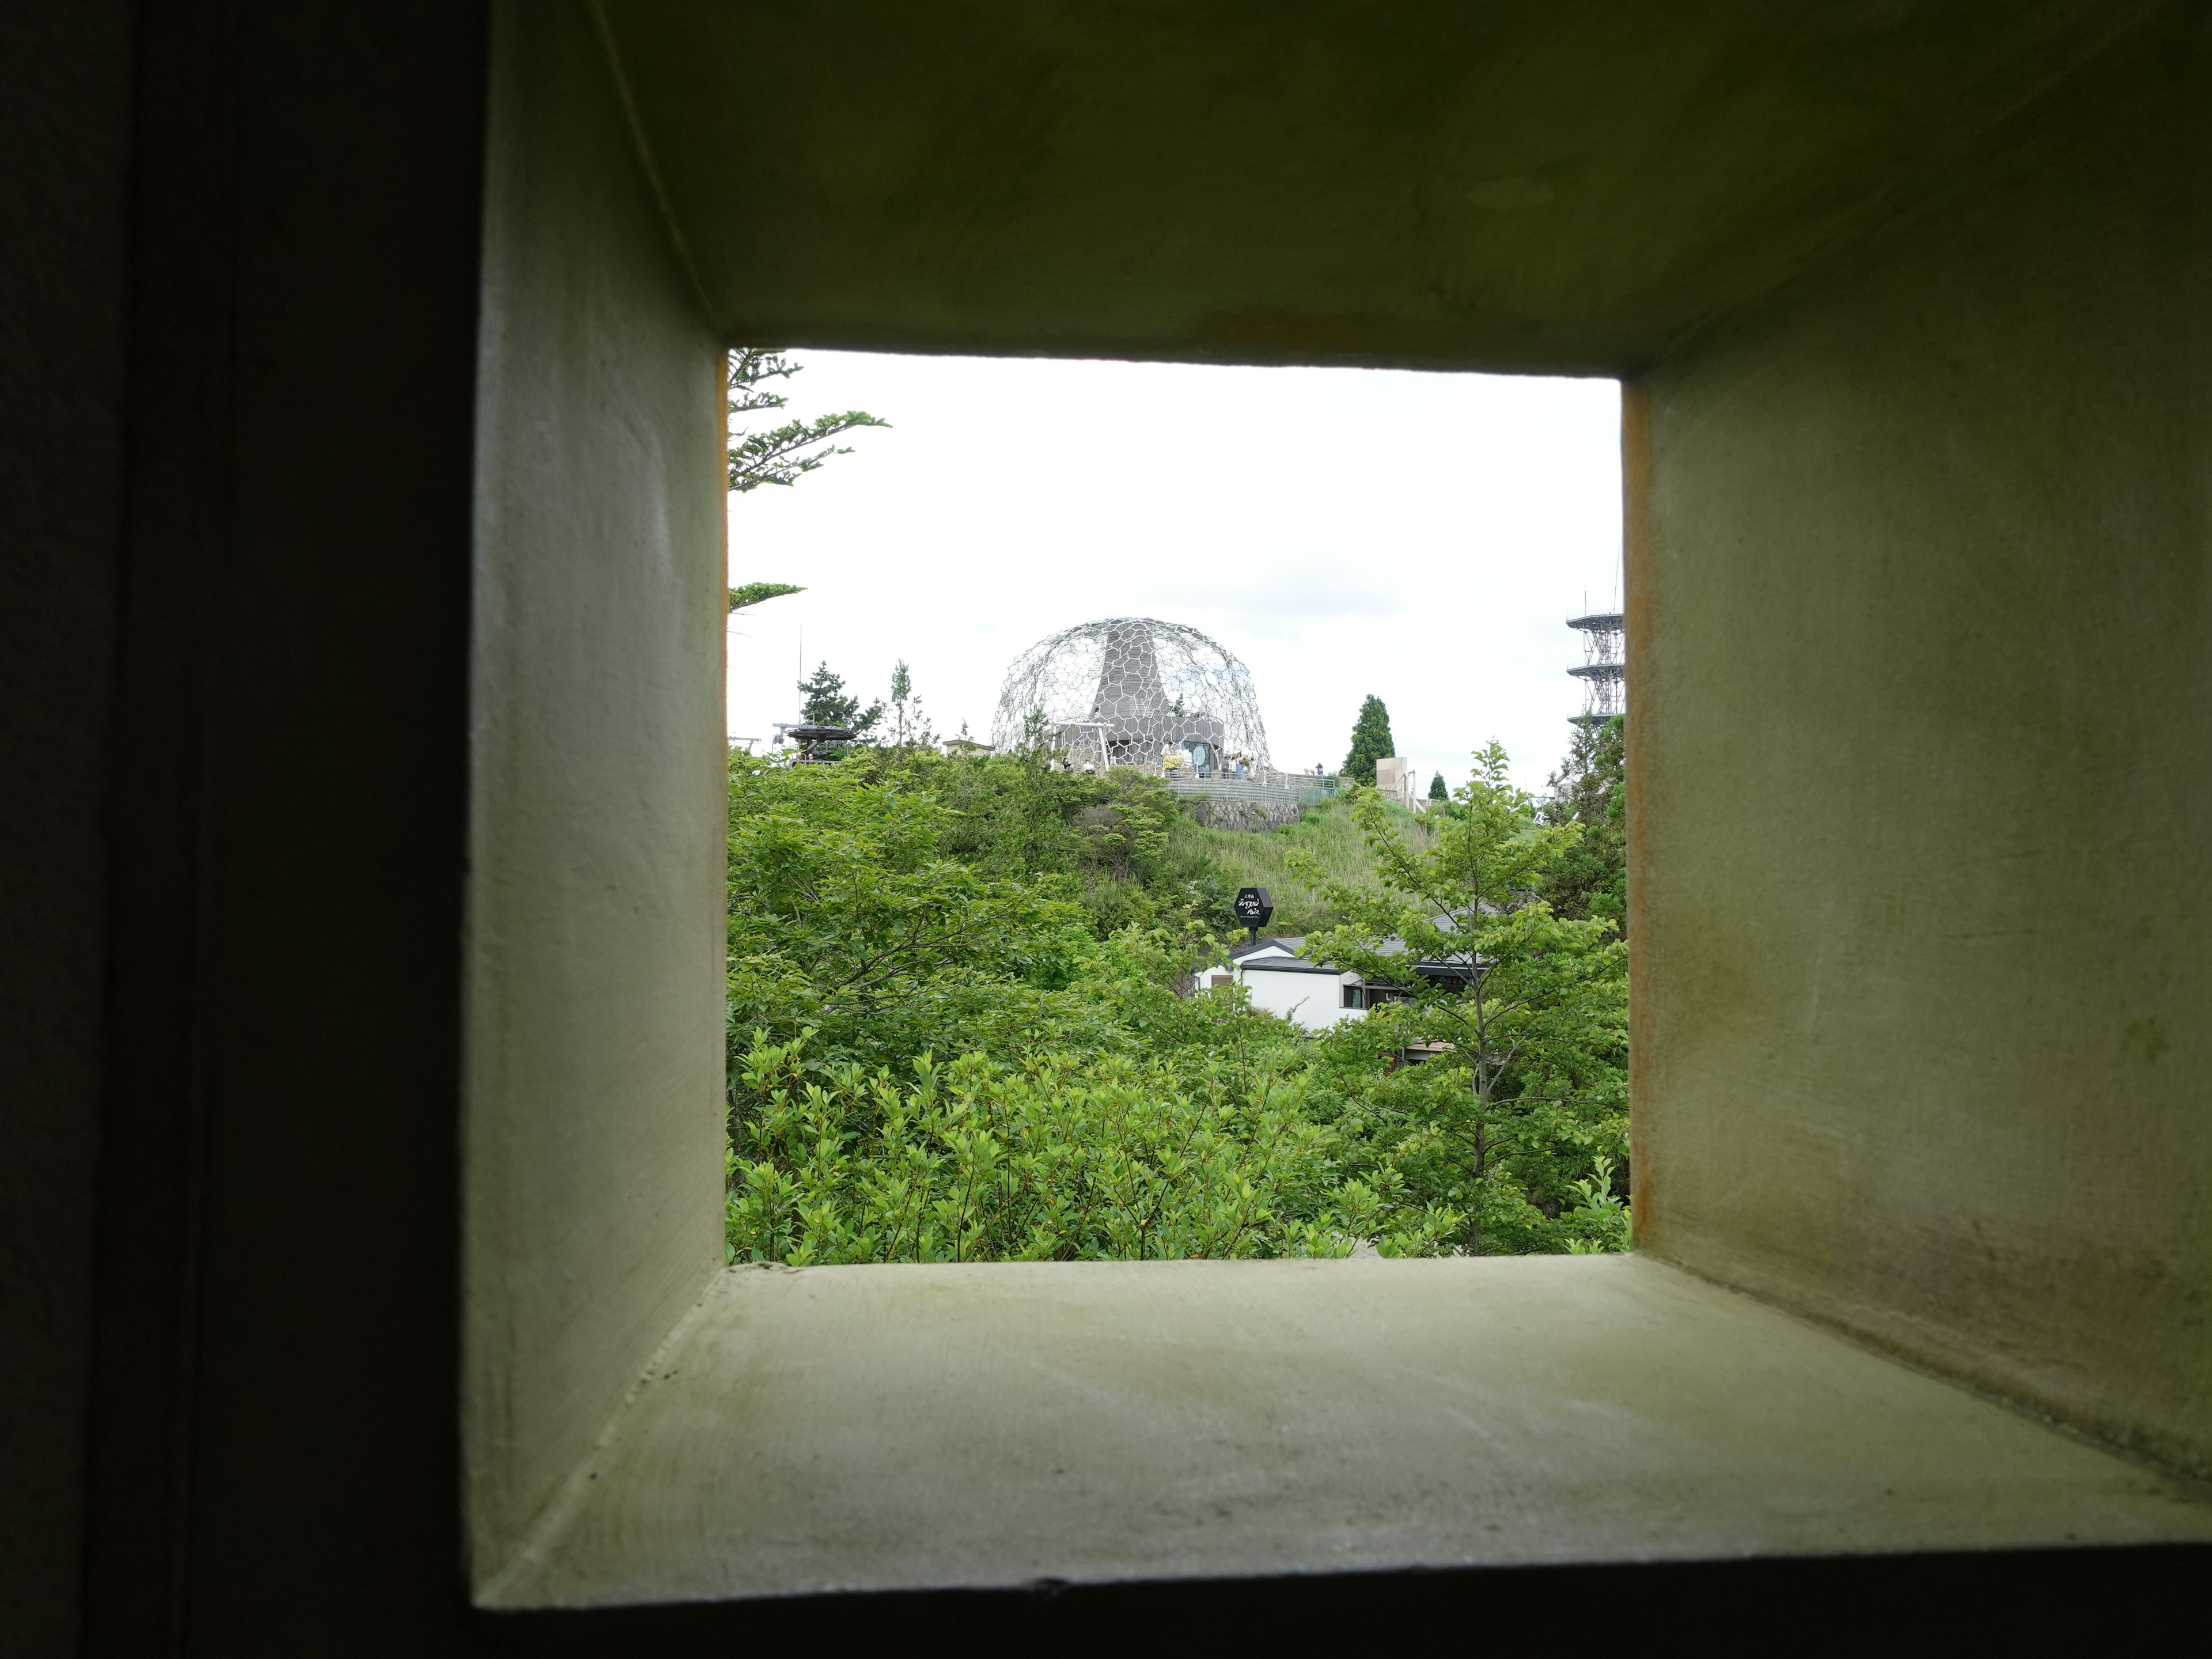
x: 1305, y: 788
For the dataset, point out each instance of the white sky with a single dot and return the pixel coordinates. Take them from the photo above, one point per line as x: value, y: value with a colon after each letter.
x: 1422, y: 536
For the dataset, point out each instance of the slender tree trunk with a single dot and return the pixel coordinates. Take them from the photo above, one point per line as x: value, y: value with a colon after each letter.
x: 1482, y: 1081
x: 1474, y: 1210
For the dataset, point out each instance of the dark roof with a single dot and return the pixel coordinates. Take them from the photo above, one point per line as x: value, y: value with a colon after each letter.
x: 1250, y: 959
x: 1285, y: 965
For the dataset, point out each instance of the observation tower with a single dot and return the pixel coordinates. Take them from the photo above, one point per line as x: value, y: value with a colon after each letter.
x: 1604, y: 668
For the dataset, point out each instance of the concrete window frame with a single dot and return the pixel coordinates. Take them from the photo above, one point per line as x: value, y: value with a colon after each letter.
x: 642, y: 1425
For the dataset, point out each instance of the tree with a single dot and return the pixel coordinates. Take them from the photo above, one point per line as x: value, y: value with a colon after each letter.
x: 1110, y: 836
x: 909, y: 727
x: 753, y: 593
x: 1517, y: 1121
x: 1370, y: 742
x: 846, y: 917
x: 780, y: 454
x: 828, y: 703
x: 1438, y: 789
x: 1590, y: 789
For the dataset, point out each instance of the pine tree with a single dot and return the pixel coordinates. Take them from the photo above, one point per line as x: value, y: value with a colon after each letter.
x: 1437, y: 789
x: 786, y: 454
x: 782, y: 455
x: 1371, y: 741
x: 1591, y: 788
x: 828, y: 703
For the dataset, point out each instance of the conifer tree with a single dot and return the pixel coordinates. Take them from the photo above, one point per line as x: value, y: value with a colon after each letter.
x: 1591, y: 788
x: 828, y: 703
x: 1437, y: 788
x: 782, y: 454
x: 1371, y: 741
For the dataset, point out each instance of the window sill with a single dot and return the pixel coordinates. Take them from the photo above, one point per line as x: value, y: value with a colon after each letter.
x: 879, y: 1428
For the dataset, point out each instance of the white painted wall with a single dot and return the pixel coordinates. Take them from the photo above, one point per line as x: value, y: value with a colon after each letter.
x: 1314, y: 1002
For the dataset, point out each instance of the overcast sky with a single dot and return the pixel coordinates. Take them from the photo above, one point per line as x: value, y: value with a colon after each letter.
x: 1422, y: 536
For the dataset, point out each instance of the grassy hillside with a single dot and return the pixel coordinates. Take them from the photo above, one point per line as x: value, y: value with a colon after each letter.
x: 1263, y: 859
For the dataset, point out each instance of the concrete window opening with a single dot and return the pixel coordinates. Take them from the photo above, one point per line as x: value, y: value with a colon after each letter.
x: 1078, y: 779
x: 1884, y: 1301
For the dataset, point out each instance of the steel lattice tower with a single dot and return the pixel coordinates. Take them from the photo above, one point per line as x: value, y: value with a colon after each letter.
x: 1604, y: 668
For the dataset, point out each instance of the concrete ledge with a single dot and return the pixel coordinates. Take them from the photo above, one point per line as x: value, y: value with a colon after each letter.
x: 876, y: 1428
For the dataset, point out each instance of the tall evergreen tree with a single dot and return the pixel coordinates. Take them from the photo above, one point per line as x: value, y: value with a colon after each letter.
x: 1438, y: 790
x: 828, y: 703
x: 1371, y: 741
x: 1591, y: 788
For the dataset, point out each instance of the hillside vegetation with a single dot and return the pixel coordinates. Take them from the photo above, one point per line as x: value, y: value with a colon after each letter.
x: 1324, y: 841
x: 961, y: 1027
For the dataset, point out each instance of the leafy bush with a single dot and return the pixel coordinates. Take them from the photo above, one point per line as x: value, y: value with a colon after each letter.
x: 1040, y: 929
x: 1059, y: 1157
x: 1116, y: 836
x: 847, y: 916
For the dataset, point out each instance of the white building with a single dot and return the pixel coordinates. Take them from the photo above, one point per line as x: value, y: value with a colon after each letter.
x: 1281, y: 982
x: 1312, y: 995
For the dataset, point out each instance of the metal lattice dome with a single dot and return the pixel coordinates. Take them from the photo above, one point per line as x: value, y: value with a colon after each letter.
x: 1120, y: 691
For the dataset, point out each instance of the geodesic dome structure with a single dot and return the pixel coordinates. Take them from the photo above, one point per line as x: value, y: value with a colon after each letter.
x: 1120, y: 691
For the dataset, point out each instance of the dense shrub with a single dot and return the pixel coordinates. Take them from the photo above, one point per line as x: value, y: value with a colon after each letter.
x: 1062, y: 1157
x: 963, y: 1028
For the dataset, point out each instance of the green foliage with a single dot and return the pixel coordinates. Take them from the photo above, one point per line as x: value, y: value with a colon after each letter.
x: 781, y: 454
x: 753, y: 593
x: 1523, y: 1013
x: 1298, y: 863
x: 1590, y: 789
x: 1114, y: 839
x: 847, y: 915
x: 1095, y: 1109
x: 907, y: 726
x: 942, y: 1050
x: 826, y: 702
x: 1370, y: 742
x: 1438, y: 789
x: 1059, y: 1156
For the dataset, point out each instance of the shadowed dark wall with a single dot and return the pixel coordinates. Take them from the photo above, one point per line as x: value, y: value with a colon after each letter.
x: 274, y: 1388
x: 64, y: 97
